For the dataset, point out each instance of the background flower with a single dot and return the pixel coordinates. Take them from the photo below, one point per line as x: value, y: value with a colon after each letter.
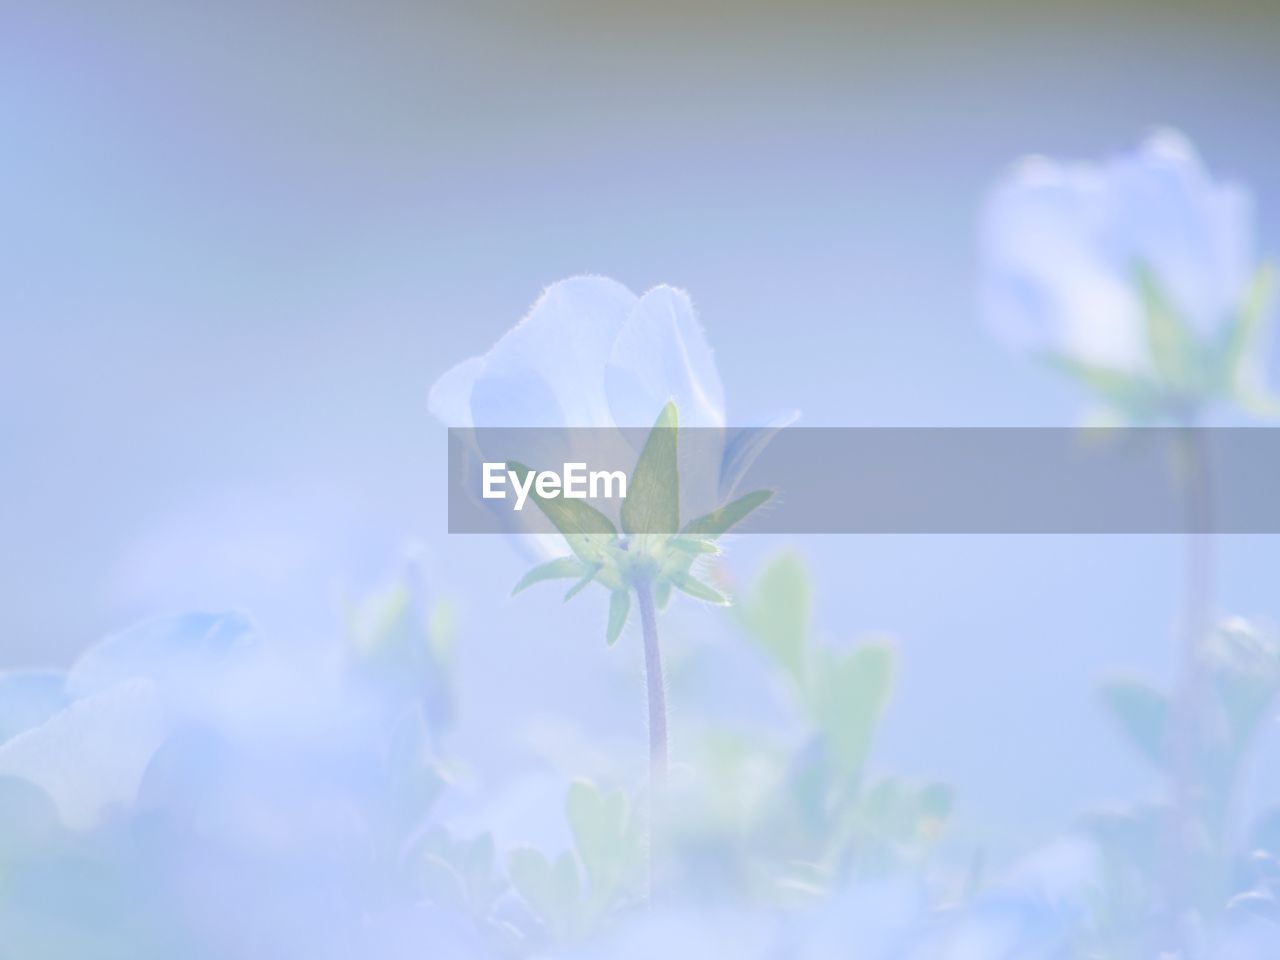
x: 1140, y: 266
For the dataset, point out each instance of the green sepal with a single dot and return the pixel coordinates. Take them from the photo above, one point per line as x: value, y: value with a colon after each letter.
x: 581, y: 585
x: 619, y: 608
x: 694, y: 587
x: 587, y: 531
x: 724, y: 518
x: 693, y: 546
x: 561, y: 568
x: 652, y: 504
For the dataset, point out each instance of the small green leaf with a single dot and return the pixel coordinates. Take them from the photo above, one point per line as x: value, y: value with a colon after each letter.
x: 561, y: 568
x: 1143, y: 714
x: 724, y: 518
x: 653, y: 497
x: 476, y: 863
x: 696, y: 588
x: 459, y: 872
x: 441, y: 882
x: 551, y: 890
x: 777, y: 612
x: 852, y: 690
x: 619, y: 607
x: 607, y: 842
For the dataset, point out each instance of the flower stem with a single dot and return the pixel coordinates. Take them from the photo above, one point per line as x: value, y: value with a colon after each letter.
x: 1189, y: 706
x: 657, y: 693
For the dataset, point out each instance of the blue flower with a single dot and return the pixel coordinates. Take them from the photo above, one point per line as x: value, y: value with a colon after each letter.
x: 591, y: 354
x: 182, y: 771
x: 86, y: 739
x: 1077, y: 255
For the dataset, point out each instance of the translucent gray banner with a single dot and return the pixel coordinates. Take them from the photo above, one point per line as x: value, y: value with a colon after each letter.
x: 840, y: 480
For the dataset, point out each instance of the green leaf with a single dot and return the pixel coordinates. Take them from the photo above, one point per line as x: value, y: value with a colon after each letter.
x: 441, y: 882
x: 476, y: 863
x: 721, y: 520
x: 652, y: 504
x: 1143, y: 713
x: 561, y: 568
x: 459, y: 872
x: 551, y: 890
x: 587, y: 531
x: 607, y: 842
x: 777, y: 611
x: 852, y: 690
x: 619, y: 607
x: 696, y: 588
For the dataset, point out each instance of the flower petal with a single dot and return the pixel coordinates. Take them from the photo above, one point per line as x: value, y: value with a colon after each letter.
x: 194, y: 661
x: 450, y: 397
x: 548, y: 370
x: 661, y: 355
x: 91, y: 754
x: 1194, y: 234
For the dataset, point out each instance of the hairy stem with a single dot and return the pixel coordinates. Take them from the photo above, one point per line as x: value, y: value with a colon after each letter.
x: 1189, y: 706
x: 657, y: 694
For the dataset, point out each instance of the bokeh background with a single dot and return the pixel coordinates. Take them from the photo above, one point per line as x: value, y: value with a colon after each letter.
x: 239, y: 242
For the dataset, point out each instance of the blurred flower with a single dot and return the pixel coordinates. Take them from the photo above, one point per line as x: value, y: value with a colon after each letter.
x: 1137, y: 273
x: 182, y: 772
x: 91, y: 734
